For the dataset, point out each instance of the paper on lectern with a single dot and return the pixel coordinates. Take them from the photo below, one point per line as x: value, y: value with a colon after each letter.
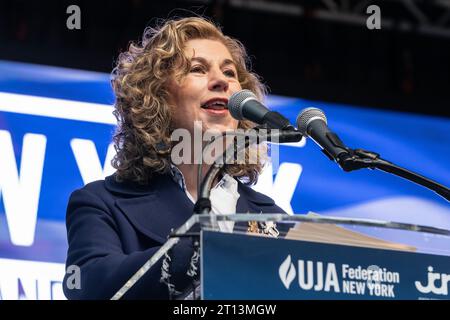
x: 331, y: 233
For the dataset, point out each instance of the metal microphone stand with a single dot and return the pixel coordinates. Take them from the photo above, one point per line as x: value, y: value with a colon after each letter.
x: 359, y: 158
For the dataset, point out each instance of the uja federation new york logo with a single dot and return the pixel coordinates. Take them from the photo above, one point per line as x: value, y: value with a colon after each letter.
x: 344, y: 278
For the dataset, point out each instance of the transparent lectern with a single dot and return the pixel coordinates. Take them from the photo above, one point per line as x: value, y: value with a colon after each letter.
x: 280, y: 256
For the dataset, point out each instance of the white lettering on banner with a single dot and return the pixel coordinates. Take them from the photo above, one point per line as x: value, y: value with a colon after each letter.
x: 319, y: 276
x: 21, y: 279
x: 283, y: 187
x: 56, y: 108
x: 330, y: 281
x: 21, y: 216
x: 353, y: 287
x: 431, y: 285
x: 88, y: 160
x: 319, y: 281
x: 381, y: 290
x: 373, y: 276
x: 308, y: 284
x: 370, y: 274
x: 15, y: 187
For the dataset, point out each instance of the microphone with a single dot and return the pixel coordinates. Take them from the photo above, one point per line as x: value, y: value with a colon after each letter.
x: 311, y: 122
x: 244, y: 105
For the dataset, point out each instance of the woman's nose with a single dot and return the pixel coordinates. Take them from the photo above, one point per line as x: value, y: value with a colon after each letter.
x: 218, y: 81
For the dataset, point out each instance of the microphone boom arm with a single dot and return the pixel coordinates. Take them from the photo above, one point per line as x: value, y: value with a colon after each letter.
x: 359, y: 158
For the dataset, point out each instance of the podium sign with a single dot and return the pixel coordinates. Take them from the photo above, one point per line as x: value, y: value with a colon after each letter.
x: 239, y: 266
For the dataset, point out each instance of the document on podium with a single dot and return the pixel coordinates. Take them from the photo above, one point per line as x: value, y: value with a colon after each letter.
x: 334, y: 234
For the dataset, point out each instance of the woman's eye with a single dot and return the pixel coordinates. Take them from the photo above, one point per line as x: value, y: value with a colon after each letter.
x: 197, y: 69
x: 230, y: 73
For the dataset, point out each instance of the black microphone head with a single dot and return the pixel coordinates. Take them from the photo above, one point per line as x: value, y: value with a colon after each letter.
x: 236, y: 102
x: 307, y: 115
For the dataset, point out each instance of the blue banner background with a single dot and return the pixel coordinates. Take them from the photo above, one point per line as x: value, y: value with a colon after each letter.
x: 417, y: 142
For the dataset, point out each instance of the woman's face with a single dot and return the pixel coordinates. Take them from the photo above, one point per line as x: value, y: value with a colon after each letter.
x: 203, y: 94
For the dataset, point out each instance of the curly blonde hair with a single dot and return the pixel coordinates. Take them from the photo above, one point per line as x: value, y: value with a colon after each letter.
x: 140, y: 81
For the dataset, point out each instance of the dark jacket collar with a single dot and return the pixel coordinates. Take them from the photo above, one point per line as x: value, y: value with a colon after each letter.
x: 135, y: 189
x: 161, y: 205
x: 128, y: 188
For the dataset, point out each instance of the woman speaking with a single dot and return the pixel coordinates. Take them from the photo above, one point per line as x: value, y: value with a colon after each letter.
x: 180, y: 75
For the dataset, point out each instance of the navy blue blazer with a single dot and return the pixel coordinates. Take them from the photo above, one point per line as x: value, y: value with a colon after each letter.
x: 114, y: 228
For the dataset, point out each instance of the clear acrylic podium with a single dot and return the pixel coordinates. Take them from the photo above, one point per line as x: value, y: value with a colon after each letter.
x: 280, y: 256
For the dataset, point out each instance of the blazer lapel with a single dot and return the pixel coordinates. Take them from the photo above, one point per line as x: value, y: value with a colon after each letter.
x: 156, y: 209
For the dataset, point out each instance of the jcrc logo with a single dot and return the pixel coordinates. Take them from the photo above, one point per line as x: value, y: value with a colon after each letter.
x: 431, y: 287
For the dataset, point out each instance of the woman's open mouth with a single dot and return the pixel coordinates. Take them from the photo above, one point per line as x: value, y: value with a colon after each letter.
x: 216, y: 107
